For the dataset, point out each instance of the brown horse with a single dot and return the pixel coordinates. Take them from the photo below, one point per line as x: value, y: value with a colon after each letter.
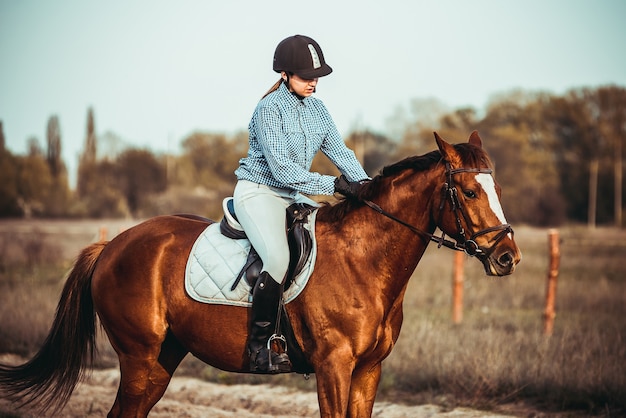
x: 346, y: 320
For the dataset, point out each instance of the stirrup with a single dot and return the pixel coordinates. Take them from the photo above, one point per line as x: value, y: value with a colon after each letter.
x: 277, y: 367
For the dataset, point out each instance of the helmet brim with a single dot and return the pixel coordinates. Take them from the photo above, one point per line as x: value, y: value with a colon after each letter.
x: 323, y: 71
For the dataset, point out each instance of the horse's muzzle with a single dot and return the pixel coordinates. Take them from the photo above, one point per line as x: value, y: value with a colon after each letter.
x: 501, y: 261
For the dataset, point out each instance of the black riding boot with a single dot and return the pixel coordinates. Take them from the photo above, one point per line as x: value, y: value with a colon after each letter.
x: 266, y: 299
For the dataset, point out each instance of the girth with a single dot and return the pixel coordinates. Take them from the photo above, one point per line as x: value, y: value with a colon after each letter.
x: 298, y: 237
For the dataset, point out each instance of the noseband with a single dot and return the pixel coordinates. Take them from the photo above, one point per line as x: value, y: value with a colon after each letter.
x: 449, y: 192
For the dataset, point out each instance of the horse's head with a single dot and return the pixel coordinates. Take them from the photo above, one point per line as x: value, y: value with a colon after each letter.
x: 469, y: 207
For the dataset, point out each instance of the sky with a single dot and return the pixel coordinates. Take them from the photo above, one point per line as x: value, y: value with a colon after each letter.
x: 156, y: 71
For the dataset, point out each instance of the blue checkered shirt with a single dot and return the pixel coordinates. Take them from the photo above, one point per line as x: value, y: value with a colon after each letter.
x: 285, y: 133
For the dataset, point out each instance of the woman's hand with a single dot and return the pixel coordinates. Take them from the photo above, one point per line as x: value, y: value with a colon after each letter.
x: 349, y: 188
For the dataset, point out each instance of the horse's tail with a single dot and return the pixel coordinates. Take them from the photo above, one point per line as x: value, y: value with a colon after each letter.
x: 49, y: 378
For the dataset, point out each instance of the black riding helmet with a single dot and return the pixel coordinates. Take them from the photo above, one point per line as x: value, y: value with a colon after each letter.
x: 302, y: 56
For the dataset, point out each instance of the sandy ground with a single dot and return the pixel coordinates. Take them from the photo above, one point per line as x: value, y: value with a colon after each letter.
x: 193, y: 398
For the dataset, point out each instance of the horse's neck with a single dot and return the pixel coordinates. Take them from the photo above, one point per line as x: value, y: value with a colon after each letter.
x: 410, y: 199
x: 389, y: 249
x: 401, y: 248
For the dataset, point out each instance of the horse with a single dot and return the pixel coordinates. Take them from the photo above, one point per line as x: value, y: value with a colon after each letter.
x: 346, y: 320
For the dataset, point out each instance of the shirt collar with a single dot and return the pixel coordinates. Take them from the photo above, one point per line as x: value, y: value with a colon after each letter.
x: 284, y: 91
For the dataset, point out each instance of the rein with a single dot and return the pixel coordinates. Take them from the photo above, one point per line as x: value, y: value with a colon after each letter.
x: 439, y: 240
x: 470, y: 246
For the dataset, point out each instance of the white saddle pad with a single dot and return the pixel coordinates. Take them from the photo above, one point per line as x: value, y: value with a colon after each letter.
x: 215, y: 261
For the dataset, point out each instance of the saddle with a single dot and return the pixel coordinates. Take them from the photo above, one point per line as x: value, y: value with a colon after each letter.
x: 298, y: 237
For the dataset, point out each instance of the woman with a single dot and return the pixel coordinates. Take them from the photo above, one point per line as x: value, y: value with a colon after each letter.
x: 287, y: 129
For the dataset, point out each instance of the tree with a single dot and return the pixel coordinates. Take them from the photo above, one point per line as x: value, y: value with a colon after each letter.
x: 9, y: 195
x: 34, y: 183
x: 580, y: 152
x: 139, y: 174
x: 2, y: 140
x: 462, y: 120
x: 58, y: 196
x: 515, y: 137
x: 89, y: 154
x: 26, y: 184
x: 612, y: 102
x: 211, y: 159
x: 34, y: 148
x: 53, y: 135
x: 87, y: 182
x: 204, y: 173
x: 416, y: 136
x: 378, y: 150
x: 8, y: 185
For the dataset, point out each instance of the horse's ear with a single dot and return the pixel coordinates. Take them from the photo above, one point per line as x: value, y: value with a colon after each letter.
x: 474, y: 139
x: 447, y: 151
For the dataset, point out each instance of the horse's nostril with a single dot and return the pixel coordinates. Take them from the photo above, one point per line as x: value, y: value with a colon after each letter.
x: 505, y: 259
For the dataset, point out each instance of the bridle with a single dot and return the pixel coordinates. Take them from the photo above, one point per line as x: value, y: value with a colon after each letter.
x: 449, y: 192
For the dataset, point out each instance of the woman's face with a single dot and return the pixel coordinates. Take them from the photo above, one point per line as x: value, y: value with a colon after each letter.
x: 300, y: 86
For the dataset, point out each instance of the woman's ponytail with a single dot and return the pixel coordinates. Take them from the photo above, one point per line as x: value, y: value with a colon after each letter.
x: 273, y: 88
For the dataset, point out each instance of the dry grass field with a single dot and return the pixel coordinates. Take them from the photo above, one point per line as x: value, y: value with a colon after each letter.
x: 496, y: 360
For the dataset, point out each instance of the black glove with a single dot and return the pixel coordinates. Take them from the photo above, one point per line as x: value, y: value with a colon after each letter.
x: 348, y: 188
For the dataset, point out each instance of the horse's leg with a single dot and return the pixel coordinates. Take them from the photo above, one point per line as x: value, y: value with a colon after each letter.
x: 144, y: 379
x: 135, y: 368
x: 333, y: 376
x: 363, y: 390
x: 172, y: 353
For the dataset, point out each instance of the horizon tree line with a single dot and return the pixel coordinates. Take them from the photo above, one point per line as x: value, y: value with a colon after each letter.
x: 559, y: 158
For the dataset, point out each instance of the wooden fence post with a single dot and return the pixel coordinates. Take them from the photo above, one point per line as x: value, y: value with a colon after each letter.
x: 457, y: 287
x: 553, y: 273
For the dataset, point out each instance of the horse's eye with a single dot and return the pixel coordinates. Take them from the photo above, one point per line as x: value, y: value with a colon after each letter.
x: 469, y: 194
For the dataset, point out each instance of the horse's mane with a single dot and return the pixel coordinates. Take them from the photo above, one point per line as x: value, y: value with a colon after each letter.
x: 471, y: 155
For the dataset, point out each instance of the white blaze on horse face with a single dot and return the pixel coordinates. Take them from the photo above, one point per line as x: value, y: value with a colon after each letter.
x: 489, y: 186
